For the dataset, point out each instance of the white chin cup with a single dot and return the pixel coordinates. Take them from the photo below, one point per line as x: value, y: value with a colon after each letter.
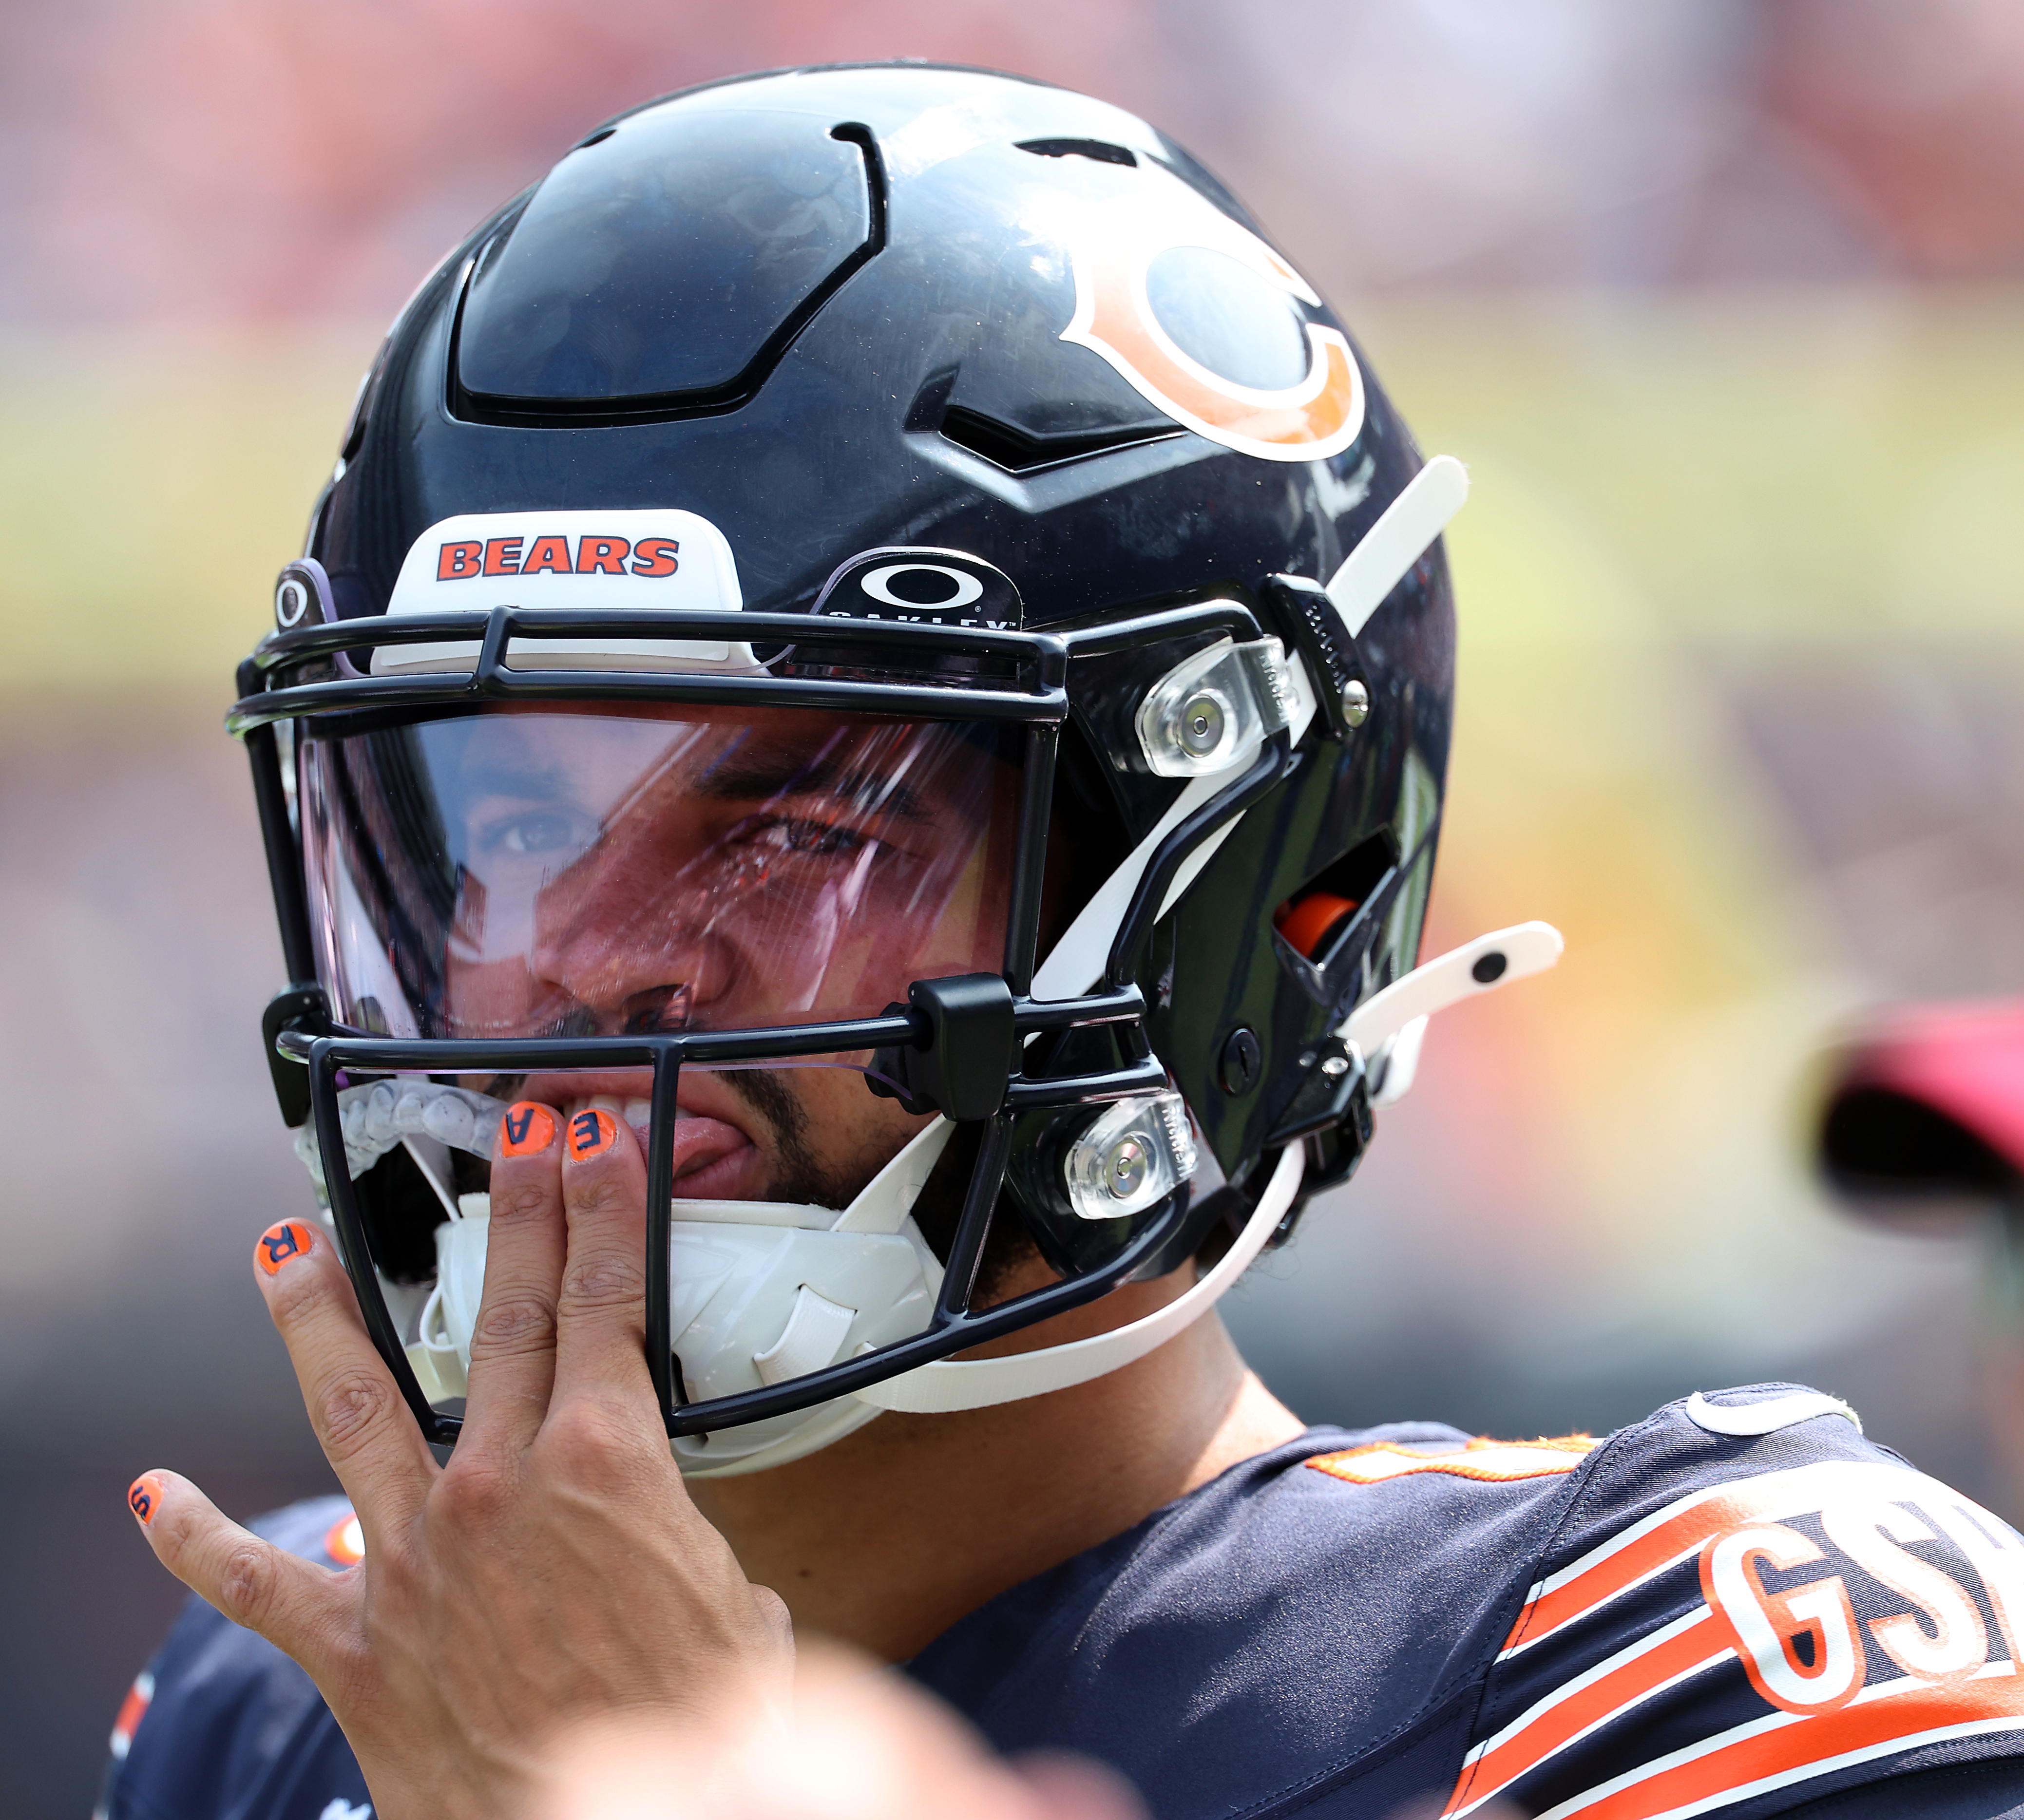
x: 762, y: 1293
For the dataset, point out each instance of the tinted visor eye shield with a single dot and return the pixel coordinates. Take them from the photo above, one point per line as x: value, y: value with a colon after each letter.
x: 704, y: 898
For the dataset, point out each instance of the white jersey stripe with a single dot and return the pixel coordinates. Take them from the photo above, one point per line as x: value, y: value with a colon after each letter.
x: 1567, y: 1690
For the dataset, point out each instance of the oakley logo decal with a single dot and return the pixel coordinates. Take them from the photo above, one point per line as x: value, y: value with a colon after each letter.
x: 945, y: 591
x: 925, y: 586
x: 1207, y: 323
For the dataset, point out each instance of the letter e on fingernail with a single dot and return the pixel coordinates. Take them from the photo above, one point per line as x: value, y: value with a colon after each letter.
x: 591, y: 1131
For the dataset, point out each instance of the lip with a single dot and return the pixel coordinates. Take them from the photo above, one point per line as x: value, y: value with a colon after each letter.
x: 718, y: 1155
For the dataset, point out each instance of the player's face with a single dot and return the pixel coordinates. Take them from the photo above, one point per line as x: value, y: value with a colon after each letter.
x: 607, y: 872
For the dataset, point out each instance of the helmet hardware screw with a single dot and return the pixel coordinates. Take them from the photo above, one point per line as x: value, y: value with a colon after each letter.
x: 1335, y: 1067
x: 1124, y: 1169
x: 1202, y: 724
x: 1355, y: 702
x: 1242, y: 1057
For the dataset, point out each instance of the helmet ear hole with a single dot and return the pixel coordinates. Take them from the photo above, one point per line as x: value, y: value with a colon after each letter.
x: 1312, y: 925
x: 1313, y: 922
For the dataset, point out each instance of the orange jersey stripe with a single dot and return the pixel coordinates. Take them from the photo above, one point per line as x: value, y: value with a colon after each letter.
x: 1784, y: 1748
x: 1495, y: 1461
x: 133, y: 1710
x: 1677, y: 1532
x: 1680, y: 1649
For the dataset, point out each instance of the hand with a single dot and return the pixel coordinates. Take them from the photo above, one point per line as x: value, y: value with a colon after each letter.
x: 555, y: 1570
x: 861, y: 1744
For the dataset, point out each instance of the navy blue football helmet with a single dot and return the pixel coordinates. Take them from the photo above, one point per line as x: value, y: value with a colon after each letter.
x: 873, y: 577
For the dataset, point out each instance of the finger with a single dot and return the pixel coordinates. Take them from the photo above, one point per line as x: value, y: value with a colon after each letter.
x: 304, y: 1610
x: 601, y: 1313
x: 513, y: 1344
x: 360, y: 1418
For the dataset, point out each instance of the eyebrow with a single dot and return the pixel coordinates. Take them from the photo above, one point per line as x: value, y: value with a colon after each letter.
x: 745, y: 776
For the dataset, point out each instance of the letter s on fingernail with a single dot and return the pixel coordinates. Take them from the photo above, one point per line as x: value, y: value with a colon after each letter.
x: 144, y: 1497
x: 281, y: 1244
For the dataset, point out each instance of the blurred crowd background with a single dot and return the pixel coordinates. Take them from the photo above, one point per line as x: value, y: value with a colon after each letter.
x: 1719, y: 299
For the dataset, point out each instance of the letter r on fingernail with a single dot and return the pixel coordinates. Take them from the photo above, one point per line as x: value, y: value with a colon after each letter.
x: 279, y: 1244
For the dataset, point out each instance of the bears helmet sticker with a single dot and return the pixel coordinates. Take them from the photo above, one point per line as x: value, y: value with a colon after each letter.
x: 1205, y: 321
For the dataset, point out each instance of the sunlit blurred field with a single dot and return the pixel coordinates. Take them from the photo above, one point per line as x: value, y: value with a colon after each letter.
x: 1716, y: 545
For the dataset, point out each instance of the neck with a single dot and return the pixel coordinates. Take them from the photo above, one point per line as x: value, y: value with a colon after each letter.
x: 885, y: 1538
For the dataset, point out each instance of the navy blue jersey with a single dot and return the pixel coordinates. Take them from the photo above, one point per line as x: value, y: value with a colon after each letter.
x: 1674, y: 1621
x: 223, y: 1726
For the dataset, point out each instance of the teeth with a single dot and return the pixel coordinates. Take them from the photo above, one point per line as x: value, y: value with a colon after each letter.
x: 599, y: 1102
x: 639, y: 1114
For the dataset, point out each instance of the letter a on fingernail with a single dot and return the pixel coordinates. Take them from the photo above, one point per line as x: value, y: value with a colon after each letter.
x: 526, y: 1129
x: 279, y: 1244
x: 144, y: 1497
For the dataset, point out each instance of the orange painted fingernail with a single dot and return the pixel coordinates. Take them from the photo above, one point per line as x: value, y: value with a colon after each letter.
x: 526, y: 1129
x: 278, y: 1244
x: 591, y: 1133
x: 144, y: 1497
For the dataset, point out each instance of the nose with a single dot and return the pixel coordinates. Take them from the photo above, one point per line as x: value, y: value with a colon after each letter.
x: 616, y: 936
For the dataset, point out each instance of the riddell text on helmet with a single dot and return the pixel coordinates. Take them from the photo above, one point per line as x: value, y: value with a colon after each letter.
x: 464, y: 559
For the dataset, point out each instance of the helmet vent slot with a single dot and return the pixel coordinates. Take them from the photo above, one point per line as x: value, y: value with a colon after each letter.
x: 1101, y: 150
x: 1020, y: 452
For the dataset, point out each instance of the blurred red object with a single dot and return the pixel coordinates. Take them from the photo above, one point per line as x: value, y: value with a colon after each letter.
x: 1930, y: 1100
x: 1913, y: 112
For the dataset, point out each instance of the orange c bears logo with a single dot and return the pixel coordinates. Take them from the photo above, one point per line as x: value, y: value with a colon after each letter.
x: 1120, y: 247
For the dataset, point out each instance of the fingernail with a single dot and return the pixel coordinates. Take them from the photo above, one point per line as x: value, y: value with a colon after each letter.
x: 278, y: 1244
x: 144, y: 1497
x: 526, y: 1129
x: 591, y: 1132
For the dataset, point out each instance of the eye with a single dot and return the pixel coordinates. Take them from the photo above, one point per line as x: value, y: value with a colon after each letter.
x: 823, y: 838
x: 535, y: 831
x: 810, y: 838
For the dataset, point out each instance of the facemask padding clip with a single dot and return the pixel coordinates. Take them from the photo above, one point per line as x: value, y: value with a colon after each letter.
x: 814, y: 1335
x: 299, y: 1008
x: 960, y: 1071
